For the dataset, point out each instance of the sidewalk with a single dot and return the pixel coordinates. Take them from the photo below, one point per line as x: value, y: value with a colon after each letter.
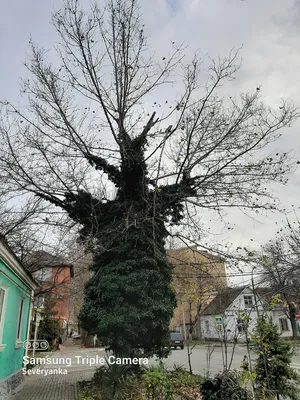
x: 56, y: 386
x: 52, y: 387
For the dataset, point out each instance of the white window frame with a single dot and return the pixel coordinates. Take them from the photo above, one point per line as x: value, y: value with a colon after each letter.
x: 3, y: 312
x: 249, y: 296
x: 207, y: 327
x: 286, y: 323
x: 19, y: 341
x: 39, y: 302
x: 43, y: 274
x: 241, y: 326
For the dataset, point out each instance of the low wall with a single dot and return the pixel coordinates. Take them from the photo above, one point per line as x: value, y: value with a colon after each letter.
x: 10, y: 385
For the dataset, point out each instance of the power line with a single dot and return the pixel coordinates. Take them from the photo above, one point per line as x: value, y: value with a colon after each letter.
x: 212, y: 275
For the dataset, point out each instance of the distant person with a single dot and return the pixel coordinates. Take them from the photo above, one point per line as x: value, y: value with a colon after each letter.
x: 60, y: 340
x: 57, y: 344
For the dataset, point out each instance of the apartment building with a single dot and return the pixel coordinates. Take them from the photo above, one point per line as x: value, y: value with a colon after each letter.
x: 197, y: 278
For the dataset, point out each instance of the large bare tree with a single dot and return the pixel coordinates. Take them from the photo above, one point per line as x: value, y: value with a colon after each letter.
x: 88, y: 143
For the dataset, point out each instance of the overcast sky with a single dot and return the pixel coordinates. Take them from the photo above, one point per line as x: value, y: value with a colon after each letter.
x: 269, y: 31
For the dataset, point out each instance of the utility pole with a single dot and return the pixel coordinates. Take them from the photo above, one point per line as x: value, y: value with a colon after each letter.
x: 37, y: 324
x: 183, y: 320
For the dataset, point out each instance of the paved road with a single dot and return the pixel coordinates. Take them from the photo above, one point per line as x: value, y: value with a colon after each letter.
x: 72, y: 364
x: 200, y: 364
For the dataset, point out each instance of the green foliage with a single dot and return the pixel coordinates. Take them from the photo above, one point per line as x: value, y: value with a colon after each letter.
x: 224, y: 386
x: 158, y: 384
x: 113, y: 381
x: 274, y: 375
x: 180, y: 377
x: 162, y: 384
x: 129, y: 301
x: 246, y: 376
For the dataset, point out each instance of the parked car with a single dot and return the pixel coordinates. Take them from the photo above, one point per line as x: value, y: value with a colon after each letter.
x: 176, y: 340
x: 76, y: 336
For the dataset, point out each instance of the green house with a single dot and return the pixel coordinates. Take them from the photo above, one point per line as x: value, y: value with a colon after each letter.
x: 16, y: 300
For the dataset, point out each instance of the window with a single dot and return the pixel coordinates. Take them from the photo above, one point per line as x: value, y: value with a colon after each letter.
x: 43, y: 274
x: 39, y: 302
x: 241, y: 326
x: 176, y: 336
x: 3, y: 295
x: 248, y: 300
x: 59, y: 295
x: 20, y: 320
x: 284, y: 326
x: 207, y: 326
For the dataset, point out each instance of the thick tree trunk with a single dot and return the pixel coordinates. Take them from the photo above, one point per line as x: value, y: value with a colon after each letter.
x: 292, y: 318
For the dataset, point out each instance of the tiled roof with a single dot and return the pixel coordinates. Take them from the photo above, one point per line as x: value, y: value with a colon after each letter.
x: 222, y: 301
x: 41, y: 258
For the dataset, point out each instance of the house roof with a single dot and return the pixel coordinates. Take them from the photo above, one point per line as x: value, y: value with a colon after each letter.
x: 41, y: 259
x: 13, y: 262
x: 222, y: 301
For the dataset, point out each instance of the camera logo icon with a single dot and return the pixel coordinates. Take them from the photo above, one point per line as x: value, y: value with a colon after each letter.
x: 36, y: 345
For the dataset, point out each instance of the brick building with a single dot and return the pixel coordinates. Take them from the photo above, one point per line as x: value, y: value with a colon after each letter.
x: 197, y: 278
x: 54, y: 276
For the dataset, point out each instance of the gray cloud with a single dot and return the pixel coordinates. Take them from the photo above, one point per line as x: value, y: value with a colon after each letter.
x: 268, y: 31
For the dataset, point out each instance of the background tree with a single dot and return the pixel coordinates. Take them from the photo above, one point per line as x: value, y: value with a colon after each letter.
x: 88, y: 144
x: 50, y: 328
x: 278, y: 265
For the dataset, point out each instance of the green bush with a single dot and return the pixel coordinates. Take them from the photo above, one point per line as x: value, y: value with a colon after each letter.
x: 162, y: 384
x: 274, y: 374
x: 113, y: 381
x: 117, y: 382
x: 158, y: 383
x: 224, y: 386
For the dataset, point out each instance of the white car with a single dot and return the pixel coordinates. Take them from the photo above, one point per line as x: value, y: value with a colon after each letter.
x: 76, y: 336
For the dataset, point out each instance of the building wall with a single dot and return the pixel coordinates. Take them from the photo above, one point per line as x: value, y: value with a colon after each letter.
x: 277, y: 315
x: 197, y: 278
x: 57, y: 288
x: 11, y: 357
x: 61, y: 291
x: 229, y: 328
x: 210, y: 330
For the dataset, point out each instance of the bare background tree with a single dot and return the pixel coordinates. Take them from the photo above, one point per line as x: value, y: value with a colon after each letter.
x: 85, y: 141
x: 88, y: 110
x: 278, y: 266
